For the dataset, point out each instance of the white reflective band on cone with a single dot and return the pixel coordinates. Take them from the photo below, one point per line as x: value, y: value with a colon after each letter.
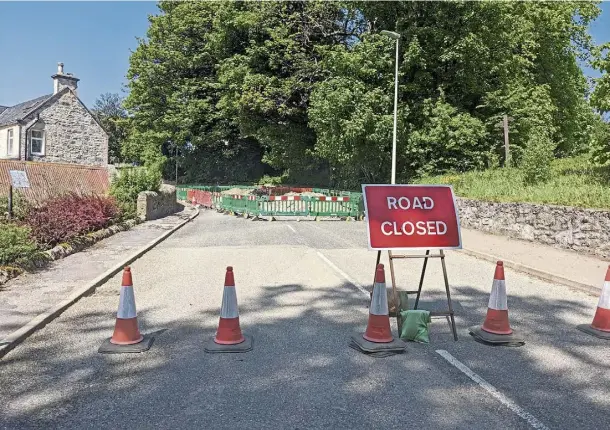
x: 127, y: 303
x: 604, y: 298
x: 379, y: 303
x: 497, y: 298
x: 229, y: 303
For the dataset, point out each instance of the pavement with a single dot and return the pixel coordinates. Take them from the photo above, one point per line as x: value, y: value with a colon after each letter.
x: 301, y: 289
x: 563, y: 263
x: 25, y: 297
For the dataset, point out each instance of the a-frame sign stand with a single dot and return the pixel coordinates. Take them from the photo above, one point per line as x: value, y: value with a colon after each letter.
x: 448, y: 313
x: 409, y: 217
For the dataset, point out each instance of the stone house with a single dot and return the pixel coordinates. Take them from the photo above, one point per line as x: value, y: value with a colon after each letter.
x: 55, y: 128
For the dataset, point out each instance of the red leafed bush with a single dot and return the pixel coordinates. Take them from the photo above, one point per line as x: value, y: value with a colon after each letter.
x: 68, y: 216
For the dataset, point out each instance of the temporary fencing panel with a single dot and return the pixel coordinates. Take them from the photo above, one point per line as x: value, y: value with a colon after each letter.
x: 283, y: 206
x: 330, y: 206
x: 349, y: 204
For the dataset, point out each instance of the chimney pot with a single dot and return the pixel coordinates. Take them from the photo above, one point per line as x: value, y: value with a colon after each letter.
x: 60, y: 68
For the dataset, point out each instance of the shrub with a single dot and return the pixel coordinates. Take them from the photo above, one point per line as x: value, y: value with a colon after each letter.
x: 21, y: 206
x: 69, y: 216
x: 15, y: 242
x: 537, y: 158
x: 131, y: 181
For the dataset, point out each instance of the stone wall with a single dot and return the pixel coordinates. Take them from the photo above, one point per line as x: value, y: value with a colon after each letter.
x: 152, y: 205
x: 577, y: 229
x: 71, y: 134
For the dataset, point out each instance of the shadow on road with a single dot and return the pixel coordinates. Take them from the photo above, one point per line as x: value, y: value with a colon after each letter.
x: 301, y: 373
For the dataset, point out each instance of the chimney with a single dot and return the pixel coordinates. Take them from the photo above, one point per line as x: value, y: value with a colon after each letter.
x: 61, y: 80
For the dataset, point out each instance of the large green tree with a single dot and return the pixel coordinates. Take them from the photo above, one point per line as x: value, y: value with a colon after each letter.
x: 109, y: 111
x: 306, y: 87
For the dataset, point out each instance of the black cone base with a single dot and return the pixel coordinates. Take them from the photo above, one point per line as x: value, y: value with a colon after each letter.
x: 111, y: 348
x: 487, y: 338
x: 245, y: 346
x: 586, y: 328
x: 377, y: 350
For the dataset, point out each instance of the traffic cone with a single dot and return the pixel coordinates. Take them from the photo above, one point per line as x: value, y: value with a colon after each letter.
x: 229, y: 337
x: 600, y: 327
x: 126, y: 336
x: 378, y: 335
x: 496, y: 327
x: 378, y: 329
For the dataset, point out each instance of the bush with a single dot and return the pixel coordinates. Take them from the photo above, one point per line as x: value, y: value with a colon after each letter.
x: 130, y: 182
x: 21, y: 206
x: 71, y: 215
x: 15, y: 243
x: 537, y: 158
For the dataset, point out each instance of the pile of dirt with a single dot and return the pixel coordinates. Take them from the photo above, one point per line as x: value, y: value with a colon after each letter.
x: 236, y: 191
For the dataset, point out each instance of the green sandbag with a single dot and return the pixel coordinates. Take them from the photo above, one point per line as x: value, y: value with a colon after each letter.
x: 415, y: 325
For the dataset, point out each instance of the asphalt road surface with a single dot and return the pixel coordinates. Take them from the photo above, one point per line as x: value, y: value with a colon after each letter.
x: 301, y: 294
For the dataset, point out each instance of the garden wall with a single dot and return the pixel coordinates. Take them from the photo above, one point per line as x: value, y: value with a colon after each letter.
x: 583, y: 230
x: 152, y: 205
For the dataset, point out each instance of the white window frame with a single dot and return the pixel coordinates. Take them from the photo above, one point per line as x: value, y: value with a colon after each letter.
x: 10, y: 139
x: 42, y: 143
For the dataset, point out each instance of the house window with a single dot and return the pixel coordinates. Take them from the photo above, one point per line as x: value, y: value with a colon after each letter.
x: 37, y: 142
x: 9, y: 142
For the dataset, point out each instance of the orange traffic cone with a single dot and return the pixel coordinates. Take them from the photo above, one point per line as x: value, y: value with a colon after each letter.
x: 126, y: 336
x: 229, y: 337
x: 378, y: 336
x: 496, y: 327
x: 378, y: 329
x: 600, y: 327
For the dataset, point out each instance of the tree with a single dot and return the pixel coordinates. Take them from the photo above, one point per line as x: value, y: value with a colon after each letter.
x: 305, y: 87
x: 109, y: 111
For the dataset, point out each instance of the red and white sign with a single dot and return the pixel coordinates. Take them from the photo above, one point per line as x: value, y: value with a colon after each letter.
x: 411, y: 217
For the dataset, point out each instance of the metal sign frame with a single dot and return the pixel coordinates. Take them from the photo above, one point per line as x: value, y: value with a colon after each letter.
x: 441, y: 254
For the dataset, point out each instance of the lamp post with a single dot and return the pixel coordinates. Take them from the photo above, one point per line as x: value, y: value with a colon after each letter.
x: 396, y: 37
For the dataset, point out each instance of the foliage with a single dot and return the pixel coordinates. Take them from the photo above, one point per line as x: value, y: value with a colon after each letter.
x: 21, y: 206
x: 536, y: 163
x: 600, y: 99
x: 573, y: 182
x: 68, y: 216
x: 447, y: 140
x: 304, y: 88
x: 129, y: 182
x: 109, y: 111
x: 600, y: 150
x: 15, y: 243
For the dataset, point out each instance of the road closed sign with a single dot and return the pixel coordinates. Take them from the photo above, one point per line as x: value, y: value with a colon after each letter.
x: 411, y: 217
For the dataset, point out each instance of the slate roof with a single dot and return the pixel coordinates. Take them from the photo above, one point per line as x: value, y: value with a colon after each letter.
x: 10, y: 115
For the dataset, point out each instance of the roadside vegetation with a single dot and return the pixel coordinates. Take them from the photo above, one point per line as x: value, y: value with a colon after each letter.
x: 35, y: 228
x: 572, y: 182
x: 302, y: 93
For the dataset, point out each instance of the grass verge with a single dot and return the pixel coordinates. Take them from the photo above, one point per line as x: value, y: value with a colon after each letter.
x: 574, y: 182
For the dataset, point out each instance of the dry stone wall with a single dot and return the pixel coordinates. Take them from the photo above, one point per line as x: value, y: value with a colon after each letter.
x: 152, y: 205
x: 583, y: 230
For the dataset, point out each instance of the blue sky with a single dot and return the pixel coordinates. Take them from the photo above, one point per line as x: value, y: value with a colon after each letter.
x: 93, y: 40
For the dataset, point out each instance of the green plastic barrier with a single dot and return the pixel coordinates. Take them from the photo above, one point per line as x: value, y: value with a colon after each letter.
x: 269, y: 207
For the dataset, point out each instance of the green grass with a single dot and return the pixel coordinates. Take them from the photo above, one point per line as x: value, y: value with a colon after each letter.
x: 575, y: 182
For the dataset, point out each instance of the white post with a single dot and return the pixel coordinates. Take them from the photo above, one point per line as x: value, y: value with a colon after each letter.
x: 395, y: 117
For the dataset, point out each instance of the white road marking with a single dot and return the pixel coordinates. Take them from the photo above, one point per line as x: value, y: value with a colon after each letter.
x: 291, y: 228
x: 493, y: 391
x: 342, y: 273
